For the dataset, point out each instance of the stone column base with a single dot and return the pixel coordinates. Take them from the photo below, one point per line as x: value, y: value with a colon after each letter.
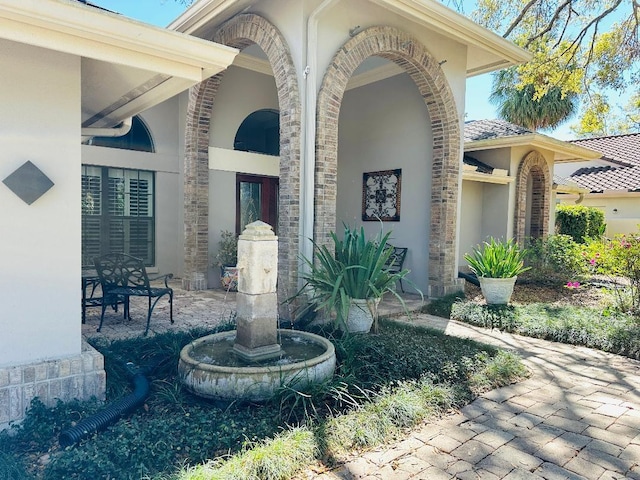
x: 197, y: 281
x: 437, y: 290
x: 78, y: 377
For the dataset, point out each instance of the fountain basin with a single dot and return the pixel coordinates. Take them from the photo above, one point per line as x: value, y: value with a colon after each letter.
x: 222, y: 378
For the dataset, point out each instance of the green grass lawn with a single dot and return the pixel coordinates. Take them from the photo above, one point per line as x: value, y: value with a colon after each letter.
x: 384, y: 383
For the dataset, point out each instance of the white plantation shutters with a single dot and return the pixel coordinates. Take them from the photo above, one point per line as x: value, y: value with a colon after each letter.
x: 117, y: 213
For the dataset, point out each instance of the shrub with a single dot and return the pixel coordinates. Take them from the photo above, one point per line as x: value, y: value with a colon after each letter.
x: 625, y: 250
x: 580, y: 222
x: 555, y: 258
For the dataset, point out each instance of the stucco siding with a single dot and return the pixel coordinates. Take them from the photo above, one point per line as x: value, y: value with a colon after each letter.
x: 241, y: 93
x: 40, y: 122
x: 386, y: 126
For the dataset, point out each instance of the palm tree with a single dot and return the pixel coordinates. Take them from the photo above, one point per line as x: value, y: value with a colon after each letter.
x: 517, y: 105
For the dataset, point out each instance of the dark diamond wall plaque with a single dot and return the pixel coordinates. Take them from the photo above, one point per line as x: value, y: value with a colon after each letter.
x: 28, y: 182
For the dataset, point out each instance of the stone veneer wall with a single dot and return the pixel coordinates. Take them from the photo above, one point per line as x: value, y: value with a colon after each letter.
x: 407, y: 52
x: 239, y: 32
x: 534, y: 165
x: 80, y: 377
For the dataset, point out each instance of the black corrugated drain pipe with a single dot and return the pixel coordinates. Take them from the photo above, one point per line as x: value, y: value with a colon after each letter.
x: 109, y: 414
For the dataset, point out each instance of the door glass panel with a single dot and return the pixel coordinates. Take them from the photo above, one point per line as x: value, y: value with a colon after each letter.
x: 250, y: 203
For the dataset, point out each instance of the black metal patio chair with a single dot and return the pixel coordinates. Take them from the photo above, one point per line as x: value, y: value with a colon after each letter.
x: 123, y: 276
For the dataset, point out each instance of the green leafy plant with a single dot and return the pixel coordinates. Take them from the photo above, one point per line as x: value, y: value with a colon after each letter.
x: 227, y: 255
x: 497, y: 259
x: 355, y: 269
x: 554, y: 259
x: 580, y: 222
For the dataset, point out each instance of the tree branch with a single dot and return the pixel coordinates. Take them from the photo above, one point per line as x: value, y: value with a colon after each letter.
x: 517, y: 21
x: 551, y: 23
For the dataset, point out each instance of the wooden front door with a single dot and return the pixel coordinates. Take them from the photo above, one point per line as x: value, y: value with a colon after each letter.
x: 257, y: 199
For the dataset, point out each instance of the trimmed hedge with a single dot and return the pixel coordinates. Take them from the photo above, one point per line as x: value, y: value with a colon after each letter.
x: 579, y: 222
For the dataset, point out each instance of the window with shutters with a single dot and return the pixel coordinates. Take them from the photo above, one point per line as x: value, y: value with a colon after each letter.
x: 117, y: 213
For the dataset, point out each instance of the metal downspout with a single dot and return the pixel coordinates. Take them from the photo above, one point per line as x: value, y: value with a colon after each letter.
x: 309, y: 138
x: 118, y: 131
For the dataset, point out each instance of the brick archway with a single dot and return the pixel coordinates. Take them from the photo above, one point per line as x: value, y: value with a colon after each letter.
x: 422, y: 67
x: 533, y: 166
x: 240, y: 32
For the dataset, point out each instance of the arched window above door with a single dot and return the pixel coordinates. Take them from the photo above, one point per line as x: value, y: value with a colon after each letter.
x: 259, y: 133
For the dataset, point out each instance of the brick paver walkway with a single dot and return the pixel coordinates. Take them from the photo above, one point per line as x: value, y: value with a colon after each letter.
x: 577, y: 416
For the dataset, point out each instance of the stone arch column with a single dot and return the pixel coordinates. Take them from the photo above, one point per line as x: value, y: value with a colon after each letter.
x: 407, y: 52
x: 239, y: 32
x: 533, y: 166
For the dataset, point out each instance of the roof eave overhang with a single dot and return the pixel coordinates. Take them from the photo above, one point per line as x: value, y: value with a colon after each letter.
x: 177, y: 61
x: 449, y: 23
x: 571, y: 190
x: 563, y: 151
x: 199, y: 14
x: 487, y: 178
x: 431, y: 14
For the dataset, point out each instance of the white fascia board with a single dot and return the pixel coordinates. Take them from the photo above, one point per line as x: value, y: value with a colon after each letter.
x: 487, y: 178
x: 77, y: 29
x: 563, y: 150
x: 199, y: 14
x: 442, y: 19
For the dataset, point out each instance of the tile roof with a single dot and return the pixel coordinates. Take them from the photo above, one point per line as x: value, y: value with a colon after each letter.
x: 475, y: 130
x: 622, y: 149
x: 599, y: 179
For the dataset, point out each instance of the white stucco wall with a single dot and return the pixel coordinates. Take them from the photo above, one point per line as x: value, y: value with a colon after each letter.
x: 241, y: 93
x: 471, y: 231
x: 385, y: 126
x: 40, y: 281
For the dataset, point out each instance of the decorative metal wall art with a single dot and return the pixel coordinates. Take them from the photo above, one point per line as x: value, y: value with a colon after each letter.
x: 381, y: 195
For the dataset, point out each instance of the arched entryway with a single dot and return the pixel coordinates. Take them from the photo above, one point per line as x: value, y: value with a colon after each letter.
x: 240, y: 32
x: 533, y: 198
x: 404, y: 50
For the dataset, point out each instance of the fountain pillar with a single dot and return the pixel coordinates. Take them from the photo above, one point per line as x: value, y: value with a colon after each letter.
x: 257, y: 298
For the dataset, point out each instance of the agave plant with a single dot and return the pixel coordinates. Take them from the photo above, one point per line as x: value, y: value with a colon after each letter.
x: 356, y: 269
x: 497, y: 259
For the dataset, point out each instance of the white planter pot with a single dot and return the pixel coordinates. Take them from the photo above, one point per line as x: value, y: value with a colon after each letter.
x: 497, y: 291
x: 361, y: 314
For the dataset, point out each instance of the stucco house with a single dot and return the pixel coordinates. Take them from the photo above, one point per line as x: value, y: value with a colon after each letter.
x: 334, y: 111
x: 508, y: 187
x: 610, y: 183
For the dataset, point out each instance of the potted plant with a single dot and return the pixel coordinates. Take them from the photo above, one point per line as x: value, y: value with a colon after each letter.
x: 351, y: 279
x: 497, y: 265
x: 227, y: 259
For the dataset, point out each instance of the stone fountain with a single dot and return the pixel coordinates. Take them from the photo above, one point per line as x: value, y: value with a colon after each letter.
x: 254, y: 361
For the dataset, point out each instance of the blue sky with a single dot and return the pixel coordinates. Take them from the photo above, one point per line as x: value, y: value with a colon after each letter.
x: 162, y: 12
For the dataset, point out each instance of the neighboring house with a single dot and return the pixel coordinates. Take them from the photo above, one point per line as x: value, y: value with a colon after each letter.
x: 322, y: 97
x: 507, y: 181
x: 611, y: 183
